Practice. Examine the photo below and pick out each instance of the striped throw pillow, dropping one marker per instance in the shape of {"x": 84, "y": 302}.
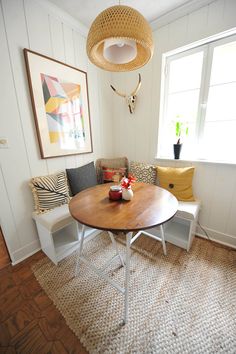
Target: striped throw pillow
{"x": 49, "y": 191}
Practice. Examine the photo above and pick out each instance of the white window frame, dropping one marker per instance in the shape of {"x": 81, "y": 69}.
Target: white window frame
{"x": 208, "y": 50}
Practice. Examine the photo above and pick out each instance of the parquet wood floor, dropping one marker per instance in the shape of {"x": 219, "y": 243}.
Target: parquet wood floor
{"x": 29, "y": 322}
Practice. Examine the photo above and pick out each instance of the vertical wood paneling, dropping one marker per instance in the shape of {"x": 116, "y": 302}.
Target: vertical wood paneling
{"x": 231, "y": 219}
{"x": 141, "y": 120}
{"x": 178, "y": 32}
{"x": 204, "y": 189}
{"x": 56, "y": 37}
{"x": 122, "y": 141}
{"x": 37, "y": 27}
{"x": 69, "y": 45}
{"x": 229, "y": 14}
{"x": 197, "y": 24}
{"x": 27, "y": 24}
{"x": 222, "y": 198}
{"x": 107, "y": 130}
{"x": 7, "y": 221}
{"x": 17, "y": 40}
{"x": 215, "y": 21}
{"x": 81, "y": 61}
{"x": 11, "y": 164}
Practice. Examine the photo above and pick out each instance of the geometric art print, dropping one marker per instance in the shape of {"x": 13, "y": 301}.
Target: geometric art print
{"x": 60, "y": 101}
{"x": 64, "y": 111}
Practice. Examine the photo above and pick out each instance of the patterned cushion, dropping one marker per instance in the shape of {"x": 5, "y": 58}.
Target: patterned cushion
{"x": 117, "y": 162}
{"x": 143, "y": 172}
{"x": 49, "y": 192}
{"x": 113, "y": 174}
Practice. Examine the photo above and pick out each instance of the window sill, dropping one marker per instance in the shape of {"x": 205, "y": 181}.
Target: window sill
{"x": 196, "y": 160}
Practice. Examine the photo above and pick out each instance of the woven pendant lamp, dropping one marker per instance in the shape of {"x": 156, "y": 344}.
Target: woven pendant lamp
{"x": 120, "y": 39}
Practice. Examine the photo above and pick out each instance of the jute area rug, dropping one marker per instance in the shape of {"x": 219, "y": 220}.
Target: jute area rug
{"x": 181, "y": 303}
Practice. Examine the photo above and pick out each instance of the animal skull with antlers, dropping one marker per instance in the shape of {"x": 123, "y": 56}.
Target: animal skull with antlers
{"x": 130, "y": 99}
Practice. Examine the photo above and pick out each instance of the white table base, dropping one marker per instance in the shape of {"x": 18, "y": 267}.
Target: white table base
{"x": 100, "y": 272}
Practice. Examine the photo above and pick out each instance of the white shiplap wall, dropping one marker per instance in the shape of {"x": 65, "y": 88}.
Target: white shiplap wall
{"x": 34, "y": 25}
{"x": 136, "y": 135}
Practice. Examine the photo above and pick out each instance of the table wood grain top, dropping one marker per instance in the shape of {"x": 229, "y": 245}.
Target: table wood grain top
{"x": 149, "y": 207}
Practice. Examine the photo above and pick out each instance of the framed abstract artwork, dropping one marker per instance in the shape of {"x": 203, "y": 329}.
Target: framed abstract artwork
{"x": 59, "y": 95}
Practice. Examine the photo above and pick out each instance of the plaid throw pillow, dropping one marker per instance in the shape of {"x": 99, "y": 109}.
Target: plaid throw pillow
{"x": 143, "y": 172}
{"x": 49, "y": 192}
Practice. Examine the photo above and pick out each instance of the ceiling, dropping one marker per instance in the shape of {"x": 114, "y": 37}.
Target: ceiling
{"x": 85, "y": 11}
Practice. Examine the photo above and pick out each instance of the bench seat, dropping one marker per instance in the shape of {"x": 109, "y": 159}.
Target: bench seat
{"x": 54, "y": 219}
{"x": 188, "y": 210}
{"x": 59, "y": 233}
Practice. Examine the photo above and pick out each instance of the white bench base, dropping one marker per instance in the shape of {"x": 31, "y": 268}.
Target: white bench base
{"x": 180, "y": 230}
{"x": 59, "y": 233}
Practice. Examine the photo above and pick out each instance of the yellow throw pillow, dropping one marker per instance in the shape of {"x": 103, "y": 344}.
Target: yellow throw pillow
{"x": 178, "y": 181}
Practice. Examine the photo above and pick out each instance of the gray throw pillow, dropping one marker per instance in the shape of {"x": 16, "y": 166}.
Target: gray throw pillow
{"x": 81, "y": 178}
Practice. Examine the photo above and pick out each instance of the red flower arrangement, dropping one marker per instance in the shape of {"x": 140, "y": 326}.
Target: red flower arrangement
{"x": 126, "y": 182}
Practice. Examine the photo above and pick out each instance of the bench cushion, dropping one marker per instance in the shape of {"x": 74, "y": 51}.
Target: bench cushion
{"x": 54, "y": 219}
{"x": 188, "y": 210}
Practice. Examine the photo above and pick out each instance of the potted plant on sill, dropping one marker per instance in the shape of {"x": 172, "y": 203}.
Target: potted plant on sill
{"x": 180, "y": 129}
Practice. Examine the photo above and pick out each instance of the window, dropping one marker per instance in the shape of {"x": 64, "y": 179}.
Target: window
{"x": 200, "y": 93}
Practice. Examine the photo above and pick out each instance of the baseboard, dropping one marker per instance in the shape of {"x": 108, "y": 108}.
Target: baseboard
{"x": 24, "y": 252}
{"x": 223, "y": 239}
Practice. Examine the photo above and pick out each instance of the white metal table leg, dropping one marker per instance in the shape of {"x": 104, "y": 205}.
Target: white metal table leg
{"x": 80, "y": 248}
{"x": 115, "y": 246}
{"x": 127, "y": 274}
{"x": 163, "y": 240}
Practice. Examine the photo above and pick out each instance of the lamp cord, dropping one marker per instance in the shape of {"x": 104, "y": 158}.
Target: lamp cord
{"x": 206, "y": 234}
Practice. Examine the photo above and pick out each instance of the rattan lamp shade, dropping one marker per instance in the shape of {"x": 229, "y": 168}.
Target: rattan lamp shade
{"x": 120, "y": 22}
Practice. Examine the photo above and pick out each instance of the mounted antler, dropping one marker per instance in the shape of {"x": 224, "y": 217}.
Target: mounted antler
{"x": 130, "y": 99}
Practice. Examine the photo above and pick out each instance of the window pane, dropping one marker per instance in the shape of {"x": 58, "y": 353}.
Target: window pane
{"x": 183, "y": 106}
{"x": 224, "y": 64}
{"x": 221, "y": 102}
{"x": 185, "y": 73}
{"x": 219, "y": 141}
{"x": 207, "y": 108}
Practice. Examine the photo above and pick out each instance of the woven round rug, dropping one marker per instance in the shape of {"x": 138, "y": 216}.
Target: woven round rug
{"x": 179, "y": 303}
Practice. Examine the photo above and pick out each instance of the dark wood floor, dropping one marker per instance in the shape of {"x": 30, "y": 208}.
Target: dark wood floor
{"x": 29, "y": 322}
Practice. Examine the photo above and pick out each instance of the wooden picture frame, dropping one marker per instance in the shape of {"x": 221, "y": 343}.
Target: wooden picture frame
{"x": 59, "y": 95}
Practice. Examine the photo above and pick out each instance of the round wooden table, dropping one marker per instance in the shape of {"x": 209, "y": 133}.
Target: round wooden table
{"x": 151, "y": 206}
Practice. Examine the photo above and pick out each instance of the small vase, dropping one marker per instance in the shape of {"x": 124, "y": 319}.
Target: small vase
{"x": 127, "y": 194}
{"x": 177, "y": 149}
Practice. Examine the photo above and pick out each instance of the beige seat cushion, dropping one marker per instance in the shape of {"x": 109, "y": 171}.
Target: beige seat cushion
{"x": 188, "y": 210}
{"x": 54, "y": 219}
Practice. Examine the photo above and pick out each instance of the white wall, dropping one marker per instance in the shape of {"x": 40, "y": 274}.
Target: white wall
{"x": 136, "y": 135}
{"x": 34, "y": 25}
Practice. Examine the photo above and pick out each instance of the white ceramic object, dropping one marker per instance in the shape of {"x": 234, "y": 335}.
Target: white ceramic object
{"x": 127, "y": 194}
